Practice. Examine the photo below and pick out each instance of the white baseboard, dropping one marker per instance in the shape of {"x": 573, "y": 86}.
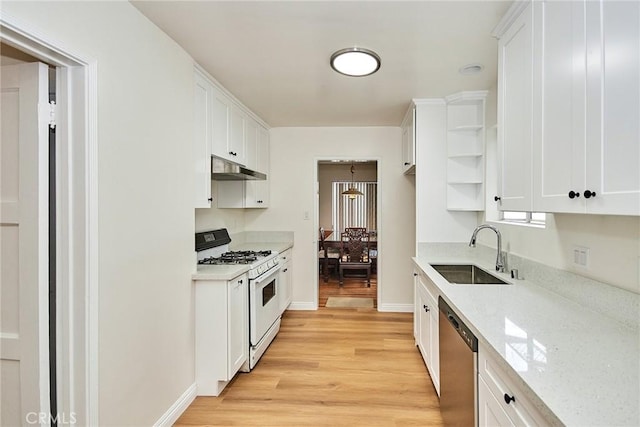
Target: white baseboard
{"x": 178, "y": 407}
{"x": 303, "y": 306}
{"x": 396, "y": 308}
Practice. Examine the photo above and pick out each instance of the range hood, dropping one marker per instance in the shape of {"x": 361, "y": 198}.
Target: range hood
{"x": 225, "y": 170}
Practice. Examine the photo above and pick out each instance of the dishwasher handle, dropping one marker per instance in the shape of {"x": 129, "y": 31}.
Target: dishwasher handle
{"x": 453, "y": 321}
{"x": 465, "y": 333}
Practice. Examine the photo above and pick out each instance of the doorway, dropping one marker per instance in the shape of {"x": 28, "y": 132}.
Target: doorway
{"x": 74, "y": 267}
{"x": 347, "y": 197}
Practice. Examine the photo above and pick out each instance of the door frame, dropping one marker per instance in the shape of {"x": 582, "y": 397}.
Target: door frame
{"x": 316, "y": 221}
{"x": 77, "y": 219}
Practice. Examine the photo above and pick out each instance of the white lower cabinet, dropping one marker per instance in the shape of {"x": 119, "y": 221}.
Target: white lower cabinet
{"x": 222, "y": 332}
{"x": 500, "y": 401}
{"x": 426, "y": 326}
{"x": 490, "y": 412}
{"x": 285, "y": 283}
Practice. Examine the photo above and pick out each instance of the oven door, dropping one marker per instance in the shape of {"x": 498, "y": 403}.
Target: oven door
{"x": 264, "y": 307}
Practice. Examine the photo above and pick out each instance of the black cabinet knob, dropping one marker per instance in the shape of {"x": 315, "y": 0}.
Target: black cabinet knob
{"x": 508, "y": 399}
{"x": 588, "y": 194}
{"x": 426, "y": 308}
{"x": 415, "y": 274}
{"x": 232, "y": 153}
{"x": 406, "y": 163}
{"x": 210, "y": 199}
{"x": 573, "y": 194}
{"x": 497, "y": 198}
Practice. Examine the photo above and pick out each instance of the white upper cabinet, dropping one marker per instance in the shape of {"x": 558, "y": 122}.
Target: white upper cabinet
{"x": 559, "y": 106}
{"x": 203, "y": 99}
{"x": 221, "y": 112}
{"x": 249, "y": 194}
{"x": 228, "y": 129}
{"x": 515, "y": 59}
{"x": 257, "y": 192}
{"x": 613, "y": 113}
{"x": 251, "y": 144}
{"x": 585, "y": 105}
{"x": 236, "y": 143}
{"x": 409, "y": 141}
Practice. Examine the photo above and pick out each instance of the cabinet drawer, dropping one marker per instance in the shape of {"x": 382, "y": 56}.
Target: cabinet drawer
{"x": 285, "y": 256}
{"x": 519, "y": 410}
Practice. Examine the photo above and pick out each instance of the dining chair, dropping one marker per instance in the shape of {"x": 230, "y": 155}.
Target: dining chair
{"x": 328, "y": 256}
{"x": 354, "y": 253}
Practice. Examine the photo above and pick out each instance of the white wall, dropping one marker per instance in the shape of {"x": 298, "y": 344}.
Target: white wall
{"x": 146, "y": 219}
{"x": 294, "y": 156}
{"x": 614, "y": 241}
{"x": 330, "y": 173}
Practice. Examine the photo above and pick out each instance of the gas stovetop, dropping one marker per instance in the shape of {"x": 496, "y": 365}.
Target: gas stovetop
{"x": 235, "y": 257}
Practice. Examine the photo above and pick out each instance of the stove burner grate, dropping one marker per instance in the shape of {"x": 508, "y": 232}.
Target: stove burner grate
{"x": 235, "y": 257}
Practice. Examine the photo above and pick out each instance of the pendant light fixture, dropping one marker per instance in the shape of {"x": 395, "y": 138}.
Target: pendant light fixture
{"x": 352, "y": 192}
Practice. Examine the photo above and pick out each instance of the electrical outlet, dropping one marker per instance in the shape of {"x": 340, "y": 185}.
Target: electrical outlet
{"x": 581, "y": 256}
{"x": 306, "y": 215}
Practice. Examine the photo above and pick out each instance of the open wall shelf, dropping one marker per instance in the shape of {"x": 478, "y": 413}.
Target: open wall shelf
{"x": 465, "y": 151}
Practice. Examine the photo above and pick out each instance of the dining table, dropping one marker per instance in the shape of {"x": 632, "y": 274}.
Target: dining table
{"x": 334, "y": 240}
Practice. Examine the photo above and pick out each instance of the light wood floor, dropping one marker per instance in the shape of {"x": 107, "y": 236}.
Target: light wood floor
{"x": 352, "y": 287}
{"x": 347, "y": 367}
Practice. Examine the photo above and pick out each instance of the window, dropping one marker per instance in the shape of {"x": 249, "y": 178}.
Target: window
{"x": 536, "y": 218}
{"x": 360, "y": 211}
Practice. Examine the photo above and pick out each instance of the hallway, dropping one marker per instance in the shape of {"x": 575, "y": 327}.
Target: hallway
{"x": 349, "y": 367}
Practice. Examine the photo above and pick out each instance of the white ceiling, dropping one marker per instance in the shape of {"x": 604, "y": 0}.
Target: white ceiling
{"x": 274, "y": 55}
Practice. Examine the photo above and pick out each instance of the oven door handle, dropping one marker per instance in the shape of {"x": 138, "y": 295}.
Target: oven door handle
{"x": 266, "y": 275}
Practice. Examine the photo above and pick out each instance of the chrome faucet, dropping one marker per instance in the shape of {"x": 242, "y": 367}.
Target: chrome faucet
{"x": 499, "y": 259}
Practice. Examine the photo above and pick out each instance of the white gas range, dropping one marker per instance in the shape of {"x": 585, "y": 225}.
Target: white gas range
{"x": 212, "y": 249}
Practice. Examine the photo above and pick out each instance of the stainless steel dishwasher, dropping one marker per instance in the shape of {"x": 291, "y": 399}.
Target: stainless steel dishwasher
{"x": 458, "y": 369}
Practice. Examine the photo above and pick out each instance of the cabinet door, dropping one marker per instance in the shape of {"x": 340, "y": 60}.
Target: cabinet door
{"x": 428, "y": 333}
{"x": 203, "y": 118}
{"x": 559, "y": 106}
{"x": 490, "y": 412}
{"x": 257, "y": 192}
{"x": 236, "y": 145}
{"x": 515, "y": 59}
{"x": 238, "y": 317}
{"x": 251, "y": 144}
{"x": 613, "y": 110}
{"x": 424, "y": 326}
{"x": 220, "y": 131}
{"x": 263, "y": 151}
{"x": 408, "y": 142}
{"x": 284, "y": 282}
{"x": 434, "y": 343}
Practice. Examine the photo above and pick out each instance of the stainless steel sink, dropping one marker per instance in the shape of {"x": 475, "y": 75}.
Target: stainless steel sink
{"x": 467, "y": 274}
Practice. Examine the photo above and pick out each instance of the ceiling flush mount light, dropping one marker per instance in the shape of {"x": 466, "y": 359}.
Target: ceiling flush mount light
{"x": 355, "y": 62}
{"x": 352, "y": 192}
{"x": 471, "y": 69}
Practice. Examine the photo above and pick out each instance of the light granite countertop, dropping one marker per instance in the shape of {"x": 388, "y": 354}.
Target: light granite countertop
{"x": 576, "y": 358}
